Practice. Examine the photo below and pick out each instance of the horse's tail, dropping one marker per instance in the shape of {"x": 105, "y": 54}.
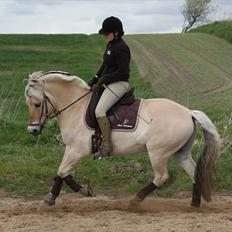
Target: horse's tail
{"x": 205, "y": 164}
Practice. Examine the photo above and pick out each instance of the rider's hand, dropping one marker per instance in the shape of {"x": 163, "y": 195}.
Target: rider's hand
{"x": 101, "y": 82}
{"x": 93, "y": 81}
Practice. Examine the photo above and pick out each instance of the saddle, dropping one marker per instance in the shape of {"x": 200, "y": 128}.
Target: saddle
{"x": 122, "y": 115}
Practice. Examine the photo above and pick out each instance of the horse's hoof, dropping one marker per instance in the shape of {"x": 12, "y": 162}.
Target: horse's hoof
{"x": 87, "y": 191}
{"x": 196, "y": 204}
{"x": 137, "y": 199}
{"x": 135, "y": 204}
{"x": 49, "y": 200}
{"x": 46, "y": 205}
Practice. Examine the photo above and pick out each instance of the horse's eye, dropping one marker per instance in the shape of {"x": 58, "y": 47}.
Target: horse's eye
{"x": 37, "y": 105}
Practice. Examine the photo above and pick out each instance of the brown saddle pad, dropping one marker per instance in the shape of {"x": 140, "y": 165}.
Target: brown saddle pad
{"x": 123, "y": 115}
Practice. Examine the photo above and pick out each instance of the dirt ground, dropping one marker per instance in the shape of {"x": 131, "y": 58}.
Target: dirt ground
{"x": 73, "y": 213}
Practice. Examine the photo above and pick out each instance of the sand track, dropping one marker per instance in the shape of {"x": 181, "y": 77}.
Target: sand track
{"x": 73, "y": 213}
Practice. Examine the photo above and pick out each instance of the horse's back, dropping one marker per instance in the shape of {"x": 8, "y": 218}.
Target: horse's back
{"x": 165, "y": 106}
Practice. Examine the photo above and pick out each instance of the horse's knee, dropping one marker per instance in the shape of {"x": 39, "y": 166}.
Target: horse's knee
{"x": 160, "y": 179}
{"x": 63, "y": 170}
{"x": 62, "y": 173}
{"x": 67, "y": 164}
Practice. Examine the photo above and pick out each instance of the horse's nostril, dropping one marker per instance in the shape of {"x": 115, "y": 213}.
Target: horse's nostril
{"x": 34, "y": 130}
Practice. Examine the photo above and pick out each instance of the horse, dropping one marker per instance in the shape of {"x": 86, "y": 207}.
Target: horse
{"x": 171, "y": 131}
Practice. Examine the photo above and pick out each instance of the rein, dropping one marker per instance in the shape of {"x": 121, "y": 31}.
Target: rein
{"x": 66, "y": 107}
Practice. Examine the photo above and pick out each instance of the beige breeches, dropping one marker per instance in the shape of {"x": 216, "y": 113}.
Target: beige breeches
{"x": 108, "y": 99}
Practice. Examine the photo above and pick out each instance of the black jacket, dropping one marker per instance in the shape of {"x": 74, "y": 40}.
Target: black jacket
{"x": 116, "y": 62}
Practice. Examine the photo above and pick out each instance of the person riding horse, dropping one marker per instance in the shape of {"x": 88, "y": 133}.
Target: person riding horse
{"x": 113, "y": 75}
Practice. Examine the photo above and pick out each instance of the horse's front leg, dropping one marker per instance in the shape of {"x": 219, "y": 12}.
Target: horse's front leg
{"x": 71, "y": 157}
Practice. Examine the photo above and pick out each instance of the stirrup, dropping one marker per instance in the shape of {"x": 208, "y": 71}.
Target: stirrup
{"x": 97, "y": 155}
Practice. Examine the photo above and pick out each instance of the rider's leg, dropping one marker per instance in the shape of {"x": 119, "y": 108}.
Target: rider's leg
{"x": 106, "y": 146}
{"x": 112, "y": 93}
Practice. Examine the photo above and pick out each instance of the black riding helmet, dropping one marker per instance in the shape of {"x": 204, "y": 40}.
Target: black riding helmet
{"x": 110, "y": 25}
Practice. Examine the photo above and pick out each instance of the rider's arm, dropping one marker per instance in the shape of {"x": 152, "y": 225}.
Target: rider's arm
{"x": 99, "y": 72}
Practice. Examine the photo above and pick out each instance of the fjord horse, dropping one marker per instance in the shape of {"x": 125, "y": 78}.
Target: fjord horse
{"x": 171, "y": 133}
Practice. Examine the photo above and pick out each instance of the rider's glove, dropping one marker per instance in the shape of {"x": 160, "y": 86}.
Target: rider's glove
{"x": 101, "y": 82}
{"x": 93, "y": 81}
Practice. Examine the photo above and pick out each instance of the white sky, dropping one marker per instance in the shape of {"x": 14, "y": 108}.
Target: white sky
{"x": 86, "y": 16}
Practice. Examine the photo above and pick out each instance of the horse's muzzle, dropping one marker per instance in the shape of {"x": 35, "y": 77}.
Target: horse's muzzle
{"x": 35, "y": 129}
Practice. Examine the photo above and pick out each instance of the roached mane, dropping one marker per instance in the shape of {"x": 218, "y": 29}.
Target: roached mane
{"x": 51, "y": 75}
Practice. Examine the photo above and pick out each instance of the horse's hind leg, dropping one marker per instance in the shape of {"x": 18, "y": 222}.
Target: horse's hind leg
{"x": 159, "y": 164}
{"x": 185, "y": 160}
{"x": 189, "y": 166}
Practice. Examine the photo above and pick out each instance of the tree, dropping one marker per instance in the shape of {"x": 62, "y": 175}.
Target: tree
{"x": 194, "y": 12}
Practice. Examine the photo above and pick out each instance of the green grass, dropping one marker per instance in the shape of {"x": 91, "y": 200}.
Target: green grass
{"x": 28, "y": 164}
{"x": 204, "y": 62}
{"x": 222, "y": 29}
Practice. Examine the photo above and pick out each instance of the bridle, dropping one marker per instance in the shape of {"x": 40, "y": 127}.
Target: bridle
{"x": 44, "y": 111}
{"x": 45, "y": 102}
{"x": 44, "y": 108}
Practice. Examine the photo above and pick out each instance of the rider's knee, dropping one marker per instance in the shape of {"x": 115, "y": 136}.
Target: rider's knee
{"x": 99, "y": 112}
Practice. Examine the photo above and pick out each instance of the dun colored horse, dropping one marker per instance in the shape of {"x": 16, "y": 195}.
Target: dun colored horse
{"x": 171, "y": 132}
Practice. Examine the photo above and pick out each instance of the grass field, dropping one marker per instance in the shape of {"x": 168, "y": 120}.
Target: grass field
{"x": 193, "y": 69}
{"x": 221, "y": 29}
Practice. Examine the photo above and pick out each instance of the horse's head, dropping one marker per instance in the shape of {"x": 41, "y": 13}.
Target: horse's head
{"x": 40, "y": 103}
{"x": 47, "y": 92}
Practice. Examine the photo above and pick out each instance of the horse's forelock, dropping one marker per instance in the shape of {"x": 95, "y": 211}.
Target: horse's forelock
{"x": 33, "y": 91}
{"x": 33, "y": 82}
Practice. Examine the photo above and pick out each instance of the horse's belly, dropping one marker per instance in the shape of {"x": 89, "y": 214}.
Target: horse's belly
{"x": 129, "y": 148}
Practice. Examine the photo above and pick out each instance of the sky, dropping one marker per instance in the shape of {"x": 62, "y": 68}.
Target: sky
{"x": 86, "y": 16}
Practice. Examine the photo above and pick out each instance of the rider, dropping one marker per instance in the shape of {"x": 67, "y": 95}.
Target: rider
{"x": 113, "y": 75}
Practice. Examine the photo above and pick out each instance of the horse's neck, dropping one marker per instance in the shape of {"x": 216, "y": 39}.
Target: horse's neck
{"x": 64, "y": 95}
